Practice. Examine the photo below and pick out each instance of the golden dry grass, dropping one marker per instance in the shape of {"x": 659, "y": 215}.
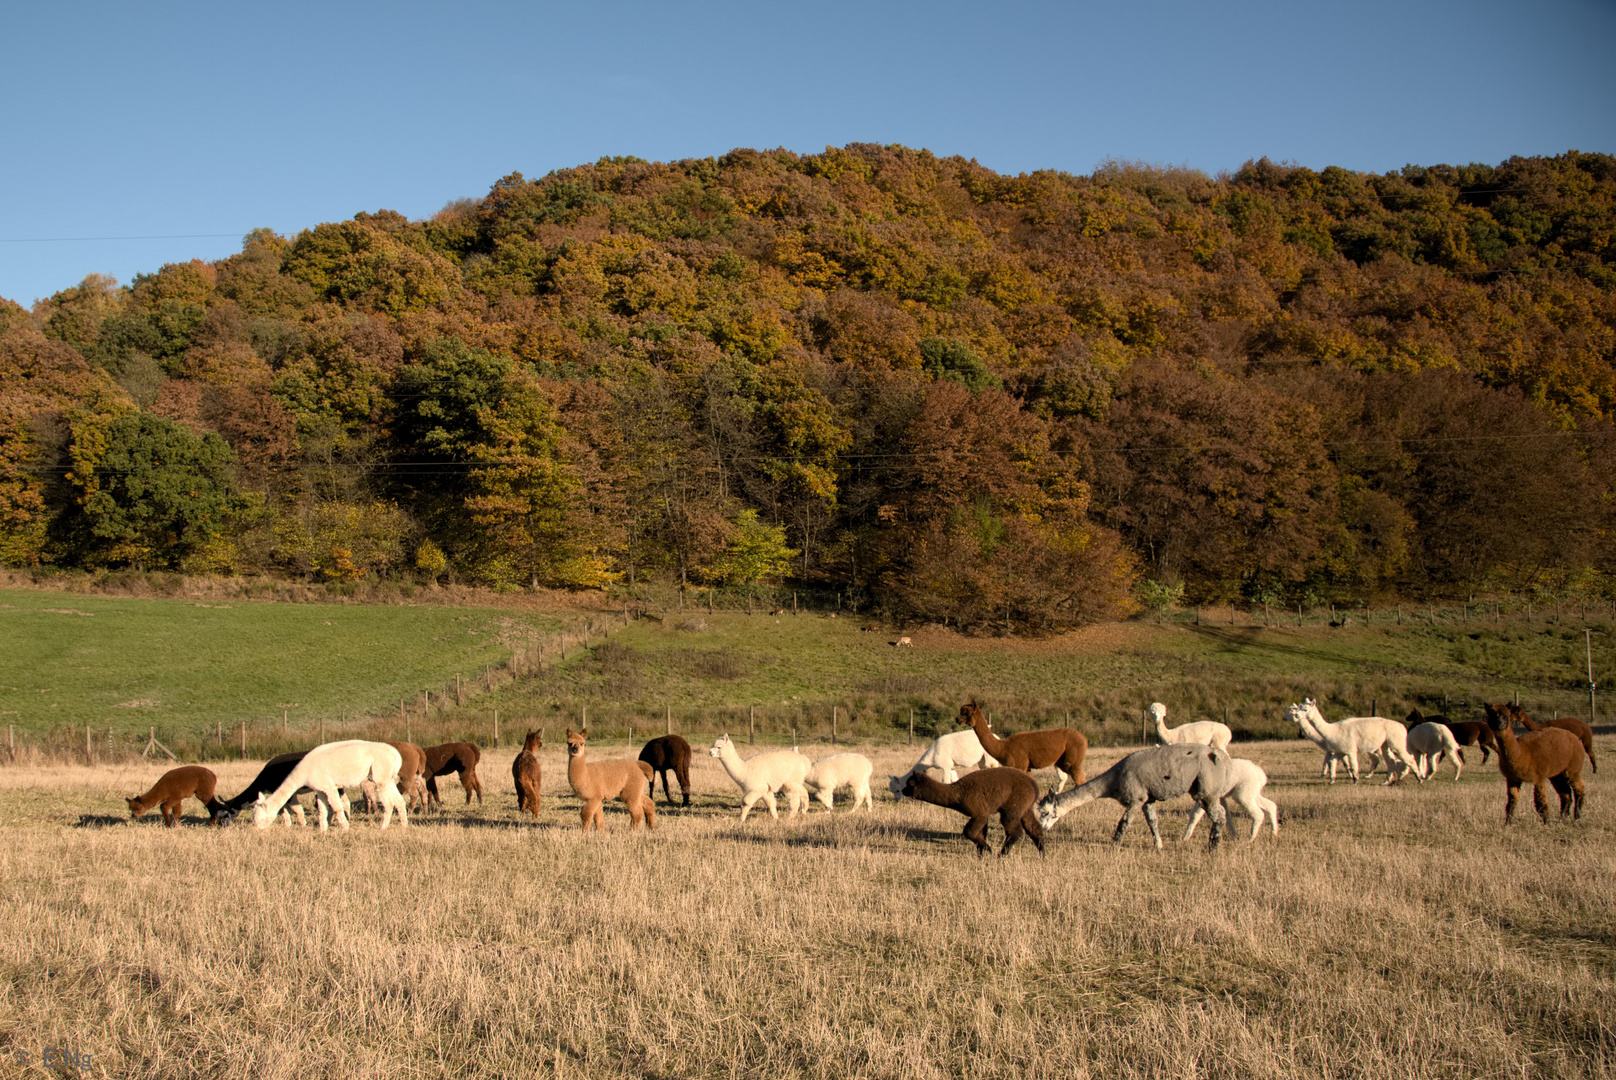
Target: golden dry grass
{"x": 1394, "y": 932}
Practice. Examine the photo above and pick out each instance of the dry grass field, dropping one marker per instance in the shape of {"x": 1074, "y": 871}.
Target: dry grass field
{"x": 1390, "y": 932}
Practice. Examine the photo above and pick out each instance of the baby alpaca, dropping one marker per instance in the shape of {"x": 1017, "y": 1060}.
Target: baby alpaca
{"x": 829, "y": 773}
{"x": 1247, "y": 793}
{"x": 173, "y": 788}
{"x": 1010, "y": 793}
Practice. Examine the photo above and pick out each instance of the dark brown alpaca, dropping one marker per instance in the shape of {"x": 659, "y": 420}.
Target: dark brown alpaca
{"x": 454, "y": 757}
{"x": 1465, "y": 732}
{"x": 1063, "y": 747}
{"x": 411, "y": 775}
{"x": 1010, "y": 793}
{"x": 669, "y": 752}
{"x": 1579, "y": 728}
{"x": 1550, "y": 756}
{"x": 175, "y": 786}
{"x": 525, "y": 771}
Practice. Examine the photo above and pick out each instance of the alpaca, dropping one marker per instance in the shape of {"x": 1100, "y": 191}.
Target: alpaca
{"x": 411, "y": 776}
{"x": 1579, "y": 728}
{"x": 669, "y": 752}
{"x": 329, "y": 768}
{"x": 761, "y": 776}
{"x": 173, "y": 788}
{"x": 1548, "y": 756}
{"x": 904, "y": 642}
{"x": 454, "y": 757}
{"x": 829, "y": 773}
{"x": 1465, "y": 733}
{"x": 525, "y": 771}
{"x": 1248, "y": 780}
{"x": 267, "y": 780}
{"x": 1206, "y": 732}
{"x": 1374, "y": 735}
{"x": 1010, "y": 793}
{"x": 596, "y": 782}
{"x": 1429, "y": 743}
{"x": 1149, "y": 776}
{"x": 948, "y": 754}
{"x": 1064, "y": 748}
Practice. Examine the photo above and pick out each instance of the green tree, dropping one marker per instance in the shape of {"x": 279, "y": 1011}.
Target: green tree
{"x": 757, "y": 550}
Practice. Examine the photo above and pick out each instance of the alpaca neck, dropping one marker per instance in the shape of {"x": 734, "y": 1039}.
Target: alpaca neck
{"x": 1098, "y": 788}
{"x": 1510, "y": 753}
{"x": 730, "y": 758}
{"x": 577, "y": 770}
{"x": 1162, "y": 731}
{"x": 984, "y": 734}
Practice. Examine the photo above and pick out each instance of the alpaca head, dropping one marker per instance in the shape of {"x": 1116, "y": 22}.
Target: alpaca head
{"x": 895, "y": 784}
{"x": 136, "y": 807}
{"x": 575, "y": 741}
{"x": 1415, "y": 718}
{"x": 1047, "y": 816}
{"x": 1295, "y": 713}
{"x": 261, "y": 817}
{"x": 1497, "y": 717}
{"x": 911, "y": 785}
{"x": 718, "y": 746}
{"x": 533, "y": 742}
{"x": 969, "y": 713}
{"x": 223, "y": 815}
{"x": 1158, "y": 711}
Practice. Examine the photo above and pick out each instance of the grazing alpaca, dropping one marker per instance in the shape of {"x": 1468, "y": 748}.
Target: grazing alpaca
{"x": 1465, "y": 733}
{"x": 1248, "y": 781}
{"x": 173, "y": 788}
{"x": 1579, "y": 728}
{"x": 1428, "y": 744}
{"x": 1010, "y": 793}
{"x": 596, "y": 782}
{"x": 411, "y": 776}
{"x": 948, "y": 754}
{"x": 761, "y": 776}
{"x": 1373, "y": 735}
{"x": 669, "y": 752}
{"x": 1149, "y": 776}
{"x": 268, "y": 779}
{"x": 1064, "y": 748}
{"x": 525, "y": 771}
{"x": 1549, "y": 756}
{"x": 829, "y": 773}
{"x": 454, "y": 757}
{"x": 326, "y": 770}
{"x": 1206, "y": 732}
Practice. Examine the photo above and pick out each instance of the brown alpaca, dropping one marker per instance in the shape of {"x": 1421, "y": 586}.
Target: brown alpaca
{"x": 1010, "y": 793}
{"x": 525, "y": 771}
{"x": 175, "y": 786}
{"x": 411, "y": 775}
{"x": 1465, "y": 733}
{"x": 1579, "y": 728}
{"x": 669, "y": 752}
{"x": 619, "y": 779}
{"x": 454, "y": 757}
{"x": 1063, "y": 747}
{"x": 1550, "y": 756}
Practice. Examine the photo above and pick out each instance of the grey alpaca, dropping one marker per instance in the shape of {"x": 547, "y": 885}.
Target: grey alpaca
{"x": 1149, "y": 776}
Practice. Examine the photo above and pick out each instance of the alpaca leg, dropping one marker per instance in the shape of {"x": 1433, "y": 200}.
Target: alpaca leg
{"x": 1540, "y": 800}
{"x": 1562, "y": 787}
{"x": 976, "y": 831}
{"x": 1219, "y": 820}
{"x": 747, "y": 803}
{"x": 1154, "y": 823}
{"x": 1509, "y": 802}
{"x": 684, "y": 784}
{"x": 322, "y": 811}
{"x": 1012, "y": 830}
{"x": 1578, "y": 790}
{"x": 1195, "y": 819}
{"x": 1029, "y": 822}
{"x": 1122, "y": 826}
{"x": 1272, "y": 808}
{"x": 649, "y": 805}
{"x": 1251, "y": 803}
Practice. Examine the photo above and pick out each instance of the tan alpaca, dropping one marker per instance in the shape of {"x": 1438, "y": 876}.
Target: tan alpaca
{"x": 603, "y": 780}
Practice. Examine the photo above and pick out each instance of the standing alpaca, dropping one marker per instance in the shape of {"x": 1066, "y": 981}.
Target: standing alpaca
{"x": 1010, "y": 793}
{"x": 454, "y": 757}
{"x": 1579, "y": 728}
{"x": 1249, "y": 780}
{"x": 1549, "y": 756}
{"x": 268, "y": 779}
{"x": 1147, "y": 777}
{"x": 326, "y": 770}
{"x": 1465, "y": 733}
{"x": 602, "y": 780}
{"x": 411, "y": 775}
{"x": 761, "y": 776}
{"x": 669, "y": 752}
{"x": 829, "y": 773}
{"x": 1064, "y": 748}
{"x": 1206, "y": 732}
{"x": 526, "y": 772}
{"x": 173, "y": 788}
{"x": 1373, "y": 735}
{"x": 948, "y": 754}
{"x": 1429, "y": 743}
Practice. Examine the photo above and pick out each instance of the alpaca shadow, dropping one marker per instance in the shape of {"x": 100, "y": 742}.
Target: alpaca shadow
{"x": 104, "y": 821}
{"x": 496, "y": 824}
{"x": 1237, "y": 638}
{"x": 795, "y": 840}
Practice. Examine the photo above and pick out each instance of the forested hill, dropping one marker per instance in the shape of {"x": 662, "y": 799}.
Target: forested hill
{"x": 997, "y": 401}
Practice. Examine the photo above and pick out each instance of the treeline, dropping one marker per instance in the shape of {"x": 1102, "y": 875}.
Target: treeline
{"x": 1000, "y": 402}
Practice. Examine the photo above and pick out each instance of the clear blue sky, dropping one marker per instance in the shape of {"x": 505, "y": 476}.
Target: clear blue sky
{"x": 156, "y": 119}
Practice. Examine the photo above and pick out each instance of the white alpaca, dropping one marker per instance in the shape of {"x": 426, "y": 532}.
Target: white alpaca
{"x": 1373, "y": 735}
{"x": 328, "y": 768}
{"x": 1206, "y": 732}
{"x": 1428, "y": 743}
{"x": 1247, "y": 793}
{"x": 830, "y": 773}
{"x": 761, "y": 776}
{"x": 947, "y": 754}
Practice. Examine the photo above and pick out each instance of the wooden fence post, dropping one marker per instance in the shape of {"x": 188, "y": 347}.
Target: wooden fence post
{"x": 88, "y": 758}
{"x": 833, "y": 711}
{"x": 669, "y": 730}
{"x": 496, "y": 729}
{"x": 244, "y": 740}
{"x": 11, "y": 741}
{"x": 751, "y": 723}
{"x": 911, "y": 727}
{"x": 283, "y": 721}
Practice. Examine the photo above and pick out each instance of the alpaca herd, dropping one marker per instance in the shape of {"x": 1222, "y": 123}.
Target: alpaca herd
{"x": 1193, "y": 760}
